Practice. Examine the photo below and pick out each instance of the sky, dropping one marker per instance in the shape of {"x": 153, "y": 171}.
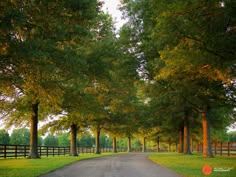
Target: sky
{"x": 111, "y": 7}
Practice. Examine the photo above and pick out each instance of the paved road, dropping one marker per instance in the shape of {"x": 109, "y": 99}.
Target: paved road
{"x": 130, "y": 165}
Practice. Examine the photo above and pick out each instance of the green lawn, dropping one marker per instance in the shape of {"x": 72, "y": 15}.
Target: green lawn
{"x": 35, "y": 167}
{"x": 191, "y": 165}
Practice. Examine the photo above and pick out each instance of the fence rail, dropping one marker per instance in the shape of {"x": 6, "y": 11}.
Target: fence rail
{"x": 15, "y": 151}
{"x": 226, "y": 148}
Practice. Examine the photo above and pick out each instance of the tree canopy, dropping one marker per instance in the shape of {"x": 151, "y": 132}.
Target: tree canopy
{"x": 170, "y": 70}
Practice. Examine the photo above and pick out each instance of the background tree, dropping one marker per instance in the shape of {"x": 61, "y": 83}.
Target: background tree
{"x": 20, "y": 136}
{"x": 232, "y": 136}
{"x": 50, "y": 140}
{"x": 4, "y": 137}
{"x": 64, "y": 139}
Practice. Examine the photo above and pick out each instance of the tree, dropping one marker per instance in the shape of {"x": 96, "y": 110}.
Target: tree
{"x": 4, "y": 137}
{"x": 20, "y": 136}
{"x": 232, "y": 136}
{"x": 42, "y": 54}
{"x": 64, "y": 139}
{"x": 86, "y": 140}
{"x": 50, "y": 140}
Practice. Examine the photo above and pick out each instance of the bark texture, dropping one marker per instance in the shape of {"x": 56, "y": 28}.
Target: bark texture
{"x": 97, "y": 140}
{"x": 187, "y": 148}
{"x": 73, "y": 140}
{"x": 144, "y": 144}
{"x": 114, "y": 149}
{"x": 181, "y": 145}
{"x": 207, "y": 149}
{"x": 33, "y": 154}
{"x": 158, "y": 143}
{"x": 129, "y": 144}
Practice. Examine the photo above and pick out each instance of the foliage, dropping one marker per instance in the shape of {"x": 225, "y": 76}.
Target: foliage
{"x": 187, "y": 66}
{"x": 232, "y": 136}
{"x": 86, "y": 140}
{"x": 20, "y": 136}
{"x": 64, "y": 139}
{"x": 4, "y": 137}
{"x": 219, "y": 136}
{"x": 50, "y": 140}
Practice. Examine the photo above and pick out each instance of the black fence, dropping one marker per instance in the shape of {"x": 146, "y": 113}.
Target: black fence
{"x": 222, "y": 148}
{"x": 16, "y": 151}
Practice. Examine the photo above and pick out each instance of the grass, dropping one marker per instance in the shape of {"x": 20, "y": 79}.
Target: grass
{"x": 191, "y": 165}
{"x": 34, "y": 167}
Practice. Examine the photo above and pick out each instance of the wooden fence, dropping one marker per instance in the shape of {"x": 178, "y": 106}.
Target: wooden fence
{"x": 226, "y": 148}
{"x": 15, "y": 151}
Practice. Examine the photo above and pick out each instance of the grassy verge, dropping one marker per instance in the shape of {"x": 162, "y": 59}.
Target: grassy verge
{"x": 35, "y": 167}
{"x": 191, "y": 165}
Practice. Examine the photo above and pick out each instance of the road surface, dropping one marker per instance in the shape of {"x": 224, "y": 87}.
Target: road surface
{"x": 124, "y": 165}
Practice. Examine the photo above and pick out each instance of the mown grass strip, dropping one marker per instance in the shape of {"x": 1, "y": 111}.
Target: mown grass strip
{"x": 35, "y": 167}
{"x": 191, "y": 165}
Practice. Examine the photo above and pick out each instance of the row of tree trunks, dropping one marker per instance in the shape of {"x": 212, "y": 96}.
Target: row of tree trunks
{"x": 184, "y": 136}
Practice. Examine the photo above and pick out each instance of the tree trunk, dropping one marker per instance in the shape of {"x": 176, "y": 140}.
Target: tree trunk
{"x": 129, "y": 144}
{"x": 144, "y": 144}
{"x": 187, "y": 149}
{"x": 33, "y": 154}
{"x": 97, "y": 140}
{"x": 158, "y": 143}
{"x": 181, "y": 141}
{"x": 169, "y": 147}
{"x": 191, "y": 144}
{"x": 114, "y": 145}
{"x": 207, "y": 149}
{"x": 73, "y": 140}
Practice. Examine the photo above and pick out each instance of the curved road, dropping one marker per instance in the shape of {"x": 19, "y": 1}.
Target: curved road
{"x": 130, "y": 165}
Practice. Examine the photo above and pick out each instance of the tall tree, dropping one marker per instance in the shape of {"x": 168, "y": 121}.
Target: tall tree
{"x": 42, "y": 51}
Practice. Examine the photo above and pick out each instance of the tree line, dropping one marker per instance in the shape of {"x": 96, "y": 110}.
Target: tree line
{"x": 21, "y": 136}
{"x": 167, "y": 75}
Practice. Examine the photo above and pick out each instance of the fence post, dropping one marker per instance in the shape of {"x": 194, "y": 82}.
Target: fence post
{"x": 215, "y": 148}
{"x": 24, "y": 150}
{"x": 40, "y": 150}
{"x": 47, "y": 151}
{"x": 5, "y": 151}
{"x": 228, "y": 149}
{"x": 15, "y": 151}
{"x": 221, "y": 148}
